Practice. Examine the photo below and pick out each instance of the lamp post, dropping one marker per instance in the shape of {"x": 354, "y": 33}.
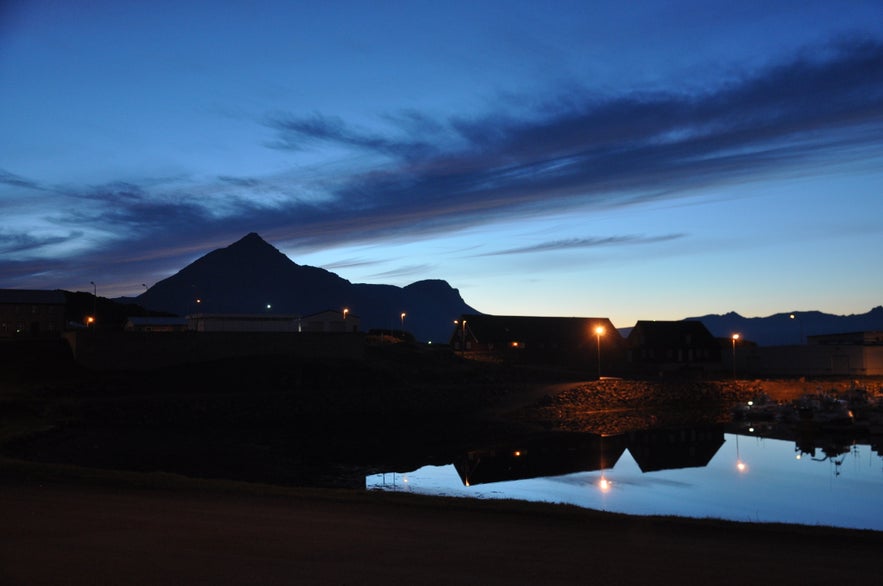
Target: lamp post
{"x": 94, "y": 300}
{"x": 800, "y": 323}
{"x": 403, "y": 321}
{"x": 598, "y": 332}
{"x": 462, "y": 335}
{"x": 734, "y": 338}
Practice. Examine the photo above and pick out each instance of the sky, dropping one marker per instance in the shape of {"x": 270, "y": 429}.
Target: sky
{"x": 651, "y": 160}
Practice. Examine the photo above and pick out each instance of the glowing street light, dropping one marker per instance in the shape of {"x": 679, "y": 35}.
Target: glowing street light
{"x": 599, "y": 331}
{"x": 403, "y": 320}
{"x": 345, "y": 311}
{"x": 734, "y": 338}
{"x": 462, "y": 336}
{"x": 94, "y": 299}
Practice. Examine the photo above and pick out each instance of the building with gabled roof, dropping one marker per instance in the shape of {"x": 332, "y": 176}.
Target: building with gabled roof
{"x": 563, "y": 341}
{"x": 31, "y": 313}
{"x": 672, "y": 347}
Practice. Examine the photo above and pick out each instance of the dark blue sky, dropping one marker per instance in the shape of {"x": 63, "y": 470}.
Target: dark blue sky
{"x": 564, "y": 158}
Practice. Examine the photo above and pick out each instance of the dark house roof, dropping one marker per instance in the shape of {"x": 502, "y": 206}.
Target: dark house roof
{"x": 536, "y": 332}
{"x": 671, "y": 334}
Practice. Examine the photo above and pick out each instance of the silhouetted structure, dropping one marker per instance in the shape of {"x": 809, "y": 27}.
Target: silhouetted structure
{"x": 552, "y": 455}
{"x": 330, "y": 321}
{"x": 667, "y": 348}
{"x": 156, "y": 324}
{"x": 31, "y": 313}
{"x": 564, "y": 341}
{"x": 667, "y": 449}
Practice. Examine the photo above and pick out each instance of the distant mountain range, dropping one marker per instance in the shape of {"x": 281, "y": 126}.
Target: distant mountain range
{"x": 781, "y": 329}
{"x": 252, "y": 276}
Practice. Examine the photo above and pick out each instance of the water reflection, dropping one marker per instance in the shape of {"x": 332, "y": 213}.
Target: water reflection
{"x": 742, "y": 472}
{"x": 552, "y": 455}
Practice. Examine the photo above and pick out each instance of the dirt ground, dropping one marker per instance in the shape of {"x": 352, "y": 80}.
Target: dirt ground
{"x": 56, "y": 534}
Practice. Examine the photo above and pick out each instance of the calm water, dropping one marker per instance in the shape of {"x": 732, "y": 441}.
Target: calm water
{"x": 709, "y": 474}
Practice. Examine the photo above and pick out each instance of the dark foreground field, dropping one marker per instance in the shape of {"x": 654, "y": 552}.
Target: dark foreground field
{"x": 87, "y": 534}
{"x": 177, "y": 477}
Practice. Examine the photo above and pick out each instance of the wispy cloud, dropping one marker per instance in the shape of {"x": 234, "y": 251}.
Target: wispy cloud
{"x": 14, "y": 180}
{"x": 573, "y": 243}
{"x": 404, "y": 271}
{"x": 297, "y": 133}
{"x": 442, "y": 174}
{"x": 17, "y": 242}
{"x": 612, "y": 151}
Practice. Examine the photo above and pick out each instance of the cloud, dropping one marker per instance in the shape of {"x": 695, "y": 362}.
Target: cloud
{"x": 571, "y": 243}
{"x": 441, "y": 174}
{"x": 405, "y": 271}
{"x": 12, "y": 243}
{"x": 14, "y": 180}
{"x": 348, "y": 263}
{"x": 296, "y": 133}
{"x": 240, "y": 181}
{"x": 607, "y": 151}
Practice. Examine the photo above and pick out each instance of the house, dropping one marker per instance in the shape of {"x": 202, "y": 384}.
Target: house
{"x": 583, "y": 342}
{"x": 871, "y": 338}
{"x": 156, "y": 324}
{"x": 845, "y": 354}
{"x": 31, "y": 313}
{"x": 322, "y": 322}
{"x": 330, "y": 321}
{"x": 672, "y": 347}
{"x": 241, "y": 322}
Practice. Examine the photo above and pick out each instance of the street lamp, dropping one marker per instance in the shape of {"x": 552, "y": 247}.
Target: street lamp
{"x": 800, "y": 323}
{"x": 403, "y": 321}
{"x": 94, "y": 299}
{"x": 735, "y": 337}
{"x": 599, "y": 331}
{"x": 462, "y": 336}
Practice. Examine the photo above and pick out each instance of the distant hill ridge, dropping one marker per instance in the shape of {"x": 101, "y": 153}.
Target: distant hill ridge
{"x": 251, "y": 274}
{"x": 780, "y": 329}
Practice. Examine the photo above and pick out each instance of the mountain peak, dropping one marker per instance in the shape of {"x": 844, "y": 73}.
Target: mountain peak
{"x": 252, "y": 239}
{"x": 251, "y": 276}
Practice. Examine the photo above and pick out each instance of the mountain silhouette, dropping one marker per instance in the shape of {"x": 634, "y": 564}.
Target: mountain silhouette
{"x": 781, "y": 329}
{"x": 252, "y": 276}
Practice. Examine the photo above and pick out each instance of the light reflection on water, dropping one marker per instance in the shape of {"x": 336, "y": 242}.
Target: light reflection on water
{"x": 774, "y": 486}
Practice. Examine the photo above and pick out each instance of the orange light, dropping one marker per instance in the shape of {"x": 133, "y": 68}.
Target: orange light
{"x": 736, "y": 337}
{"x": 599, "y": 330}
{"x": 90, "y": 320}
{"x": 515, "y": 344}
{"x": 604, "y": 484}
